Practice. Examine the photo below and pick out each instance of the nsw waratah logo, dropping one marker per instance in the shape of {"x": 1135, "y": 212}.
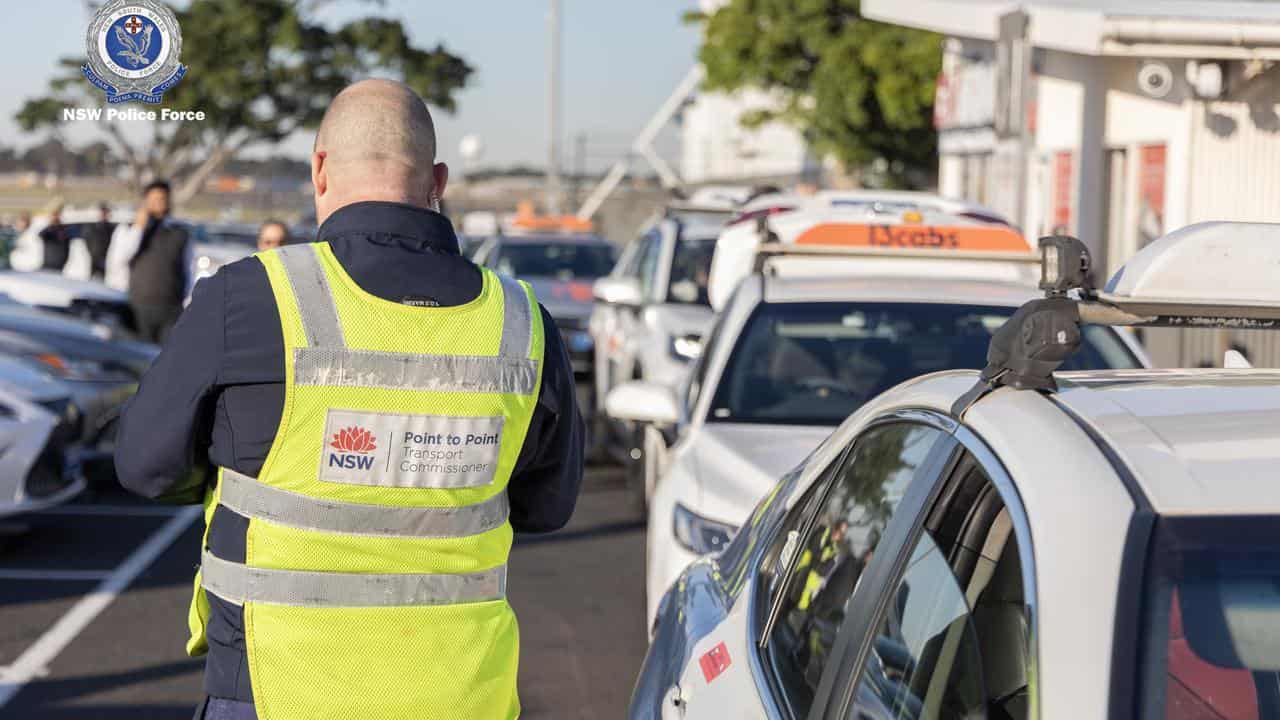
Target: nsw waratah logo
{"x": 353, "y": 445}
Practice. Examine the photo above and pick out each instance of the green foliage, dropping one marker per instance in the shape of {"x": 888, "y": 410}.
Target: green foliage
{"x": 858, "y": 89}
{"x": 260, "y": 70}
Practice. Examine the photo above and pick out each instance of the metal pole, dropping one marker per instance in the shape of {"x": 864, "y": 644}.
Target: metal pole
{"x": 553, "y": 112}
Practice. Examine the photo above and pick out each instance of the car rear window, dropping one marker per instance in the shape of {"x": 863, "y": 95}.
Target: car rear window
{"x": 1212, "y": 620}
{"x": 563, "y": 261}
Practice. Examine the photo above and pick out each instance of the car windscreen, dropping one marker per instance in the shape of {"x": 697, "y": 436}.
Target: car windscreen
{"x": 563, "y": 261}
{"x": 1212, "y": 619}
{"x": 815, "y": 363}
{"x": 690, "y": 270}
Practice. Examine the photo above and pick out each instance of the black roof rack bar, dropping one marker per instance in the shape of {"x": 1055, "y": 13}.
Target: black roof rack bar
{"x": 1043, "y": 333}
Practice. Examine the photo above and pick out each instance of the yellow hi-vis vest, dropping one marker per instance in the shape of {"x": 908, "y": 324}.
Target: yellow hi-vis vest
{"x": 374, "y": 582}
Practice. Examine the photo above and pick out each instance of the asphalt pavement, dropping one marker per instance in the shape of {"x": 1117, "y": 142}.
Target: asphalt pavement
{"x": 93, "y": 604}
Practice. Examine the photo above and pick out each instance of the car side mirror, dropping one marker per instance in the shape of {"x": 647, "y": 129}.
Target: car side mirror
{"x": 617, "y": 291}
{"x": 645, "y": 402}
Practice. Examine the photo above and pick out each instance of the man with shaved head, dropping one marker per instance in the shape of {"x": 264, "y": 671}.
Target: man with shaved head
{"x": 366, "y": 419}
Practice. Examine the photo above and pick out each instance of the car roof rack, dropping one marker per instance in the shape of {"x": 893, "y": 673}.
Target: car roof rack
{"x": 1207, "y": 275}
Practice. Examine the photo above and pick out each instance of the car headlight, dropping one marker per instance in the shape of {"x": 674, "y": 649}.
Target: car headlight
{"x": 686, "y": 347}
{"x": 700, "y": 535}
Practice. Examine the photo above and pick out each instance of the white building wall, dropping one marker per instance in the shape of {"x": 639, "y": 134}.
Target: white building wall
{"x": 715, "y": 146}
{"x": 1235, "y": 164}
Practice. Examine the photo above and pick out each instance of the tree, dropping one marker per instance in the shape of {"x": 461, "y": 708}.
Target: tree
{"x": 260, "y": 70}
{"x": 859, "y": 90}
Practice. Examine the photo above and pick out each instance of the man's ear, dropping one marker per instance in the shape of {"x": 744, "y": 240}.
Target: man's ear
{"x": 319, "y": 173}
{"x": 440, "y": 179}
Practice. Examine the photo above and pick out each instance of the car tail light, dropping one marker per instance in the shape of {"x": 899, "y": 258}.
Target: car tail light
{"x": 761, "y": 213}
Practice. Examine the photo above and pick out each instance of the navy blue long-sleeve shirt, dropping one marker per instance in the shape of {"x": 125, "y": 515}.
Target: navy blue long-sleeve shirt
{"x": 216, "y": 393}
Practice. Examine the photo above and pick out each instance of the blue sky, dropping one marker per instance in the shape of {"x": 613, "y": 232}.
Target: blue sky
{"x": 621, "y": 58}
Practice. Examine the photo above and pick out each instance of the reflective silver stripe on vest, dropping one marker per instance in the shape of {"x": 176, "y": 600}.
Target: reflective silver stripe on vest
{"x": 253, "y": 499}
{"x": 315, "y": 299}
{"x": 517, "y": 320}
{"x": 237, "y": 583}
{"x": 404, "y": 371}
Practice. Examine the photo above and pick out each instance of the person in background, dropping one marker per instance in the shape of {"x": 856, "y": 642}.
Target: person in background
{"x": 151, "y": 260}
{"x": 97, "y": 236}
{"x": 56, "y": 240}
{"x": 272, "y": 234}
{"x": 23, "y": 222}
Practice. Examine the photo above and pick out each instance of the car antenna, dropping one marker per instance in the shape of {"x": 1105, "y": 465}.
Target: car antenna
{"x": 1043, "y": 333}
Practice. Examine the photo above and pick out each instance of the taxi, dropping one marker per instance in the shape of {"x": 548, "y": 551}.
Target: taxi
{"x": 1018, "y": 542}
{"x": 825, "y": 321}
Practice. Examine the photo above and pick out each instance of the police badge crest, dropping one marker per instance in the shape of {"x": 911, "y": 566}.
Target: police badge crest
{"x": 133, "y": 48}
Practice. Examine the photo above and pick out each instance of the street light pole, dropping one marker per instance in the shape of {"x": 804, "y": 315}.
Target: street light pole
{"x": 553, "y": 112}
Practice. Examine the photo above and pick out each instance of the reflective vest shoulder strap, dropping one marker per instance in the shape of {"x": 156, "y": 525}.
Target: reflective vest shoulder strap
{"x": 238, "y": 583}
{"x": 517, "y": 319}
{"x": 250, "y": 498}
{"x": 314, "y": 296}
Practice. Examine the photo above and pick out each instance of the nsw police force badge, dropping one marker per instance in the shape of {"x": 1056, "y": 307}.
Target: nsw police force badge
{"x": 133, "y": 48}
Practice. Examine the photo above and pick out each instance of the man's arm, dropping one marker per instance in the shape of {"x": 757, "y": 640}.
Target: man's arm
{"x": 124, "y": 243}
{"x": 164, "y": 430}
{"x": 548, "y": 475}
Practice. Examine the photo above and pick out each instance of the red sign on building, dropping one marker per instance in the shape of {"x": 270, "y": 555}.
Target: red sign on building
{"x": 1063, "y": 173}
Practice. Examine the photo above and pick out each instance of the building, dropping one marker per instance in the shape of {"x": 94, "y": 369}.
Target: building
{"x": 1114, "y": 121}
{"x": 715, "y": 147}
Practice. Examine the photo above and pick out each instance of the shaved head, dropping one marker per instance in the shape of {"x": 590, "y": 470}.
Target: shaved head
{"x": 377, "y": 142}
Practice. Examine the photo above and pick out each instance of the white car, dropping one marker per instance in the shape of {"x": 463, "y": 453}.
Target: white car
{"x": 1020, "y": 543}
{"x": 801, "y": 344}
{"x": 34, "y": 468}
{"x": 652, "y": 310}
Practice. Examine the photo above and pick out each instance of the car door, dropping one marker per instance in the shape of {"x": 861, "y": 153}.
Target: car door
{"x": 821, "y": 556}
{"x": 943, "y": 627}
{"x": 631, "y": 333}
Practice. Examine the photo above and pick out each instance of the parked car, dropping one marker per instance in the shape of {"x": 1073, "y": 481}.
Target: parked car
{"x": 651, "y": 312}
{"x": 94, "y": 368}
{"x": 1019, "y": 542}
{"x": 793, "y": 354}
{"x": 83, "y": 299}
{"x": 37, "y": 424}
{"x": 561, "y": 268}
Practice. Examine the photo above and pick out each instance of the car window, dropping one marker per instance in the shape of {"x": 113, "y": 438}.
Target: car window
{"x": 814, "y": 363}
{"x": 648, "y": 265}
{"x": 559, "y": 260}
{"x": 924, "y": 661}
{"x": 1212, "y": 600}
{"x": 953, "y": 639}
{"x": 690, "y": 270}
{"x": 827, "y": 557}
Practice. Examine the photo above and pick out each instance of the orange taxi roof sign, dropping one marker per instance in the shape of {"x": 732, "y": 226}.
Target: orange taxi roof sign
{"x": 986, "y": 238}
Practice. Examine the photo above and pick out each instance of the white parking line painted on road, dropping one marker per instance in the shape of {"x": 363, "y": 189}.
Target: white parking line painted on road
{"x": 35, "y": 660}
{"x": 111, "y": 510}
{"x": 52, "y": 575}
